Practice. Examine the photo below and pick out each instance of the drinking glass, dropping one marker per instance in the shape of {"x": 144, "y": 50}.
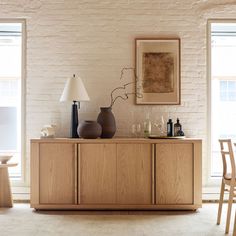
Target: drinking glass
{"x": 133, "y": 130}
{"x": 160, "y": 124}
{"x": 136, "y": 130}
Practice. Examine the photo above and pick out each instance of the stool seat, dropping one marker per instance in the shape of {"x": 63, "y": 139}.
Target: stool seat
{"x": 5, "y": 188}
{"x": 8, "y": 165}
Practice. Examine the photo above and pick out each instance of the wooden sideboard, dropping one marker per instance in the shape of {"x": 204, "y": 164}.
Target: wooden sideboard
{"x": 119, "y": 173}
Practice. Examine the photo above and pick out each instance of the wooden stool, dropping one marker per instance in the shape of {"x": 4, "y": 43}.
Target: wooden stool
{"x": 5, "y": 189}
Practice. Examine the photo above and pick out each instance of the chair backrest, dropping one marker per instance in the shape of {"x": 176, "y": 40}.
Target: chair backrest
{"x": 227, "y": 151}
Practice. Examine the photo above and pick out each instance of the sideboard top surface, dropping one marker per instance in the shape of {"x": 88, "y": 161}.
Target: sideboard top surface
{"x": 115, "y": 140}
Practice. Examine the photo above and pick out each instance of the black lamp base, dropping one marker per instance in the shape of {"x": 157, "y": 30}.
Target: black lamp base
{"x": 74, "y": 121}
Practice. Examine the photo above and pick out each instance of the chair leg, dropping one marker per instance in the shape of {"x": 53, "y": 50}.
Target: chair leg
{"x": 234, "y": 230}
{"x": 231, "y": 195}
{"x": 221, "y": 201}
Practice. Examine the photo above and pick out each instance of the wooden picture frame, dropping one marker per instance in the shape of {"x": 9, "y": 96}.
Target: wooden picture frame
{"x": 157, "y": 66}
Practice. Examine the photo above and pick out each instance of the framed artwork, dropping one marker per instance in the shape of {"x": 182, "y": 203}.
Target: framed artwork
{"x": 157, "y": 65}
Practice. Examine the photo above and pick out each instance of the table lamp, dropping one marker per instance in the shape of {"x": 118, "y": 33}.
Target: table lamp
{"x": 75, "y": 92}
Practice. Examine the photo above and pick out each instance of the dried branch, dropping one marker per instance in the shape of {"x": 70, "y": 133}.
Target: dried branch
{"x": 123, "y": 87}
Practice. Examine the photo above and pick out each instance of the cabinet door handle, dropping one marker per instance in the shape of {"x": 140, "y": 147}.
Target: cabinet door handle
{"x": 153, "y": 174}
{"x": 76, "y": 172}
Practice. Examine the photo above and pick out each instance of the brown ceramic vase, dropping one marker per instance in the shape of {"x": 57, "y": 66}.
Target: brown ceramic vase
{"x": 89, "y": 129}
{"x": 107, "y": 120}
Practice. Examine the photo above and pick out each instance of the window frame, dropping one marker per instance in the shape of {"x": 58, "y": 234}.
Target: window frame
{"x": 211, "y": 181}
{"x": 24, "y": 181}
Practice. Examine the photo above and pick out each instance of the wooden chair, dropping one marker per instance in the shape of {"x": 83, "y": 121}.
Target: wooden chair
{"x": 228, "y": 179}
{"x": 5, "y": 188}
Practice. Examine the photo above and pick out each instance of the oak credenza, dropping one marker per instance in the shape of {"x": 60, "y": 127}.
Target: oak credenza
{"x": 118, "y": 173}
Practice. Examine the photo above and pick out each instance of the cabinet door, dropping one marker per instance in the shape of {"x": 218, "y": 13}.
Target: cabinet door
{"x": 174, "y": 173}
{"x": 134, "y": 174}
{"x": 57, "y": 173}
{"x": 97, "y": 170}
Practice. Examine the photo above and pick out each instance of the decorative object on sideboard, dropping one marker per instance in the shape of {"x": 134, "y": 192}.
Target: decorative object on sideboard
{"x": 123, "y": 91}
{"x": 180, "y": 133}
{"x": 89, "y": 129}
{"x": 170, "y": 129}
{"x": 174, "y": 130}
{"x": 147, "y": 126}
{"x": 106, "y": 118}
{"x": 48, "y": 131}
{"x": 107, "y": 121}
{"x": 177, "y": 127}
{"x": 160, "y": 124}
{"x": 158, "y": 70}
{"x": 75, "y": 92}
{"x": 136, "y": 130}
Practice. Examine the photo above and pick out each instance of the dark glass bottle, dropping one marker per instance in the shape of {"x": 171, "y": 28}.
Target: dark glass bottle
{"x": 170, "y": 131}
{"x": 177, "y": 127}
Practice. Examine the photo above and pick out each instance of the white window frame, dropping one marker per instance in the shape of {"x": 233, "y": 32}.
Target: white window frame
{"x": 24, "y": 180}
{"x": 211, "y": 181}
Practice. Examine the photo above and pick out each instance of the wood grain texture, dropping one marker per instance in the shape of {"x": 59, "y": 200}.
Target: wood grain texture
{"x": 57, "y": 173}
{"x": 234, "y": 228}
{"x": 76, "y": 181}
{"x": 109, "y": 178}
{"x": 153, "y": 174}
{"x": 134, "y": 174}
{"x": 174, "y": 174}
{"x": 197, "y": 173}
{"x": 5, "y": 189}
{"x": 97, "y": 173}
{"x": 115, "y": 140}
{"x": 116, "y": 207}
{"x": 228, "y": 179}
{"x": 34, "y": 173}
{"x": 13, "y": 164}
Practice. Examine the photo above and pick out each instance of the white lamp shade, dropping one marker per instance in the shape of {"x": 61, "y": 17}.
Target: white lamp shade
{"x": 74, "y": 90}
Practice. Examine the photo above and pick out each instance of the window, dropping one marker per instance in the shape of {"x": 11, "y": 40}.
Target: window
{"x": 223, "y": 88}
{"x": 227, "y": 91}
{"x": 11, "y": 54}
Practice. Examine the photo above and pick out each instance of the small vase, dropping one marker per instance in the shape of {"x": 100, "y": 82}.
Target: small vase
{"x": 89, "y": 129}
{"x": 107, "y": 120}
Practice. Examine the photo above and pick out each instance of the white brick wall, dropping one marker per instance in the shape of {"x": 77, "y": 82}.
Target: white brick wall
{"x": 95, "y": 39}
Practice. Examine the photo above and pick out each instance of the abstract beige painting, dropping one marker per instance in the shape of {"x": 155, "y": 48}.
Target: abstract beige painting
{"x": 157, "y": 64}
{"x": 158, "y": 72}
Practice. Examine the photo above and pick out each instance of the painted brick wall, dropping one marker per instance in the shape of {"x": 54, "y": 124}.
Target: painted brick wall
{"x": 95, "y": 39}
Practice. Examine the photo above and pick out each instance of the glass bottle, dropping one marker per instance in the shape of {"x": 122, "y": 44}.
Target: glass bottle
{"x": 170, "y": 131}
{"x": 147, "y": 126}
{"x": 177, "y": 127}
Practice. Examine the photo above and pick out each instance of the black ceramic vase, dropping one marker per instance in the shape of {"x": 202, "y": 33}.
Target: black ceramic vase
{"x": 107, "y": 120}
{"x": 89, "y": 129}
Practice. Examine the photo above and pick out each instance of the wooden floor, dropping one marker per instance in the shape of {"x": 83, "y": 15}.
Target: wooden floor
{"x": 21, "y": 220}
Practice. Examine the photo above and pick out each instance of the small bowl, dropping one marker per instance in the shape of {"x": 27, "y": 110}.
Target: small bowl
{"x": 5, "y": 158}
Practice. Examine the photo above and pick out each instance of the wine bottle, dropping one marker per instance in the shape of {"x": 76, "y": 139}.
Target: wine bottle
{"x": 170, "y": 130}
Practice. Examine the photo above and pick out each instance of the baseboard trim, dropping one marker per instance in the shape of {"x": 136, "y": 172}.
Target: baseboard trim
{"x": 25, "y": 201}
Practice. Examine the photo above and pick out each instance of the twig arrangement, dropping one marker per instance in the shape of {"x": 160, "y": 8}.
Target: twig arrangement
{"x": 123, "y": 87}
